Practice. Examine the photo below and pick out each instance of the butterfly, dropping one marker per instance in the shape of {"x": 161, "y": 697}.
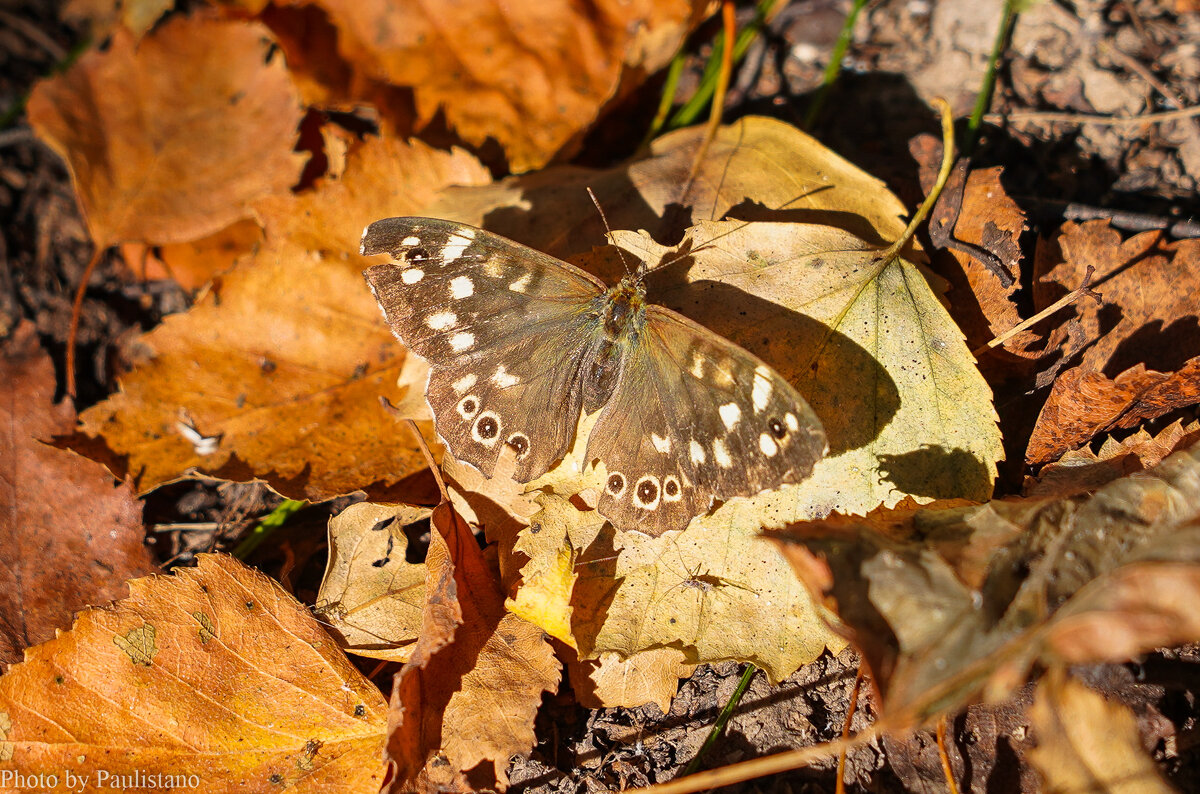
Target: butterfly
{"x": 520, "y": 343}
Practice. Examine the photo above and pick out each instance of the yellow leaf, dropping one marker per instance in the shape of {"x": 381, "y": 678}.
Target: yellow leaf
{"x": 545, "y": 596}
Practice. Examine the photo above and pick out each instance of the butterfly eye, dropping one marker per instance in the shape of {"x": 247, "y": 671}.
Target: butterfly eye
{"x": 671, "y": 490}
{"x": 519, "y": 443}
{"x": 467, "y": 406}
{"x": 647, "y": 492}
{"x": 417, "y": 254}
{"x": 777, "y": 429}
{"x": 616, "y": 484}
{"x": 487, "y": 427}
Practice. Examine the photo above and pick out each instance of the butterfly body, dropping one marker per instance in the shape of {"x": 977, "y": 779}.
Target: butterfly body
{"x": 520, "y": 344}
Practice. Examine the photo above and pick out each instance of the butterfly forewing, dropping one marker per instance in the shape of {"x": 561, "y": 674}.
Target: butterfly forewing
{"x": 504, "y": 327}
{"x": 695, "y": 418}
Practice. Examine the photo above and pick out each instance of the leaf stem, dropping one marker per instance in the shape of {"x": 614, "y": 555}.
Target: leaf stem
{"x": 943, "y": 175}
{"x": 718, "y": 727}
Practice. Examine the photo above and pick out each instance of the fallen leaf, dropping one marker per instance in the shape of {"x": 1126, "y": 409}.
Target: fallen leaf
{"x": 1084, "y": 403}
{"x": 634, "y": 593}
{"x": 371, "y": 596}
{"x": 474, "y": 681}
{"x": 72, "y": 535}
{"x": 214, "y": 676}
{"x": 612, "y": 682}
{"x": 532, "y": 77}
{"x": 760, "y": 167}
{"x": 950, "y": 604}
{"x": 1132, "y": 356}
{"x": 193, "y": 264}
{"x": 172, "y": 138}
{"x": 1086, "y": 743}
{"x": 1084, "y": 470}
{"x": 276, "y": 375}
{"x": 544, "y": 598}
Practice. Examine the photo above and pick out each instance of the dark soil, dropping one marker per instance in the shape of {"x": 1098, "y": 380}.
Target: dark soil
{"x": 1126, "y": 57}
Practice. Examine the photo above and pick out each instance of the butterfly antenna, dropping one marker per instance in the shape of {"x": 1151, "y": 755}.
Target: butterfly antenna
{"x": 608, "y": 232}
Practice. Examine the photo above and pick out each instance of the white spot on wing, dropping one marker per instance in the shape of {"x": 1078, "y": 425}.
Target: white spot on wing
{"x": 410, "y": 241}
{"x": 504, "y": 379}
{"x": 661, "y": 444}
{"x": 461, "y": 287}
{"x": 730, "y": 415}
{"x": 697, "y": 365}
{"x": 721, "y": 455}
{"x": 442, "y": 320}
{"x": 792, "y": 423}
{"x": 697, "y": 452}
{"x": 464, "y": 383}
{"x": 462, "y": 341}
{"x": 762, "y": 388}
{"x": 455, "y": 247}
{"x": 412, "y": 275}
{"x": 767, "y": 445}
{"x": 521, "y": 284}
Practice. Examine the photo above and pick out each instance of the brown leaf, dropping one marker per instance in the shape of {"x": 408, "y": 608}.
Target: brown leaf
{"x": 1083, "y": 404}
{"x": 215, "y": 672}
{"x": 952, "y": 603}
{"x": 474, "y": 682}
{"x": 193, "y": 264}
{"x": 532, "y": 76}
{"x": 72, "y": 536}
{"x": 1086, "y": 743}
{"x": 1084, "y": 470}
{"x": 647, "y": 677}
{"x": 170, "y": 139}
{"x": 276, "y": 375}
{"x": 103, "y": 16}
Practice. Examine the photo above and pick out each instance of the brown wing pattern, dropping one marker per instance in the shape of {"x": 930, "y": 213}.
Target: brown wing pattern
{"x": 695, "y": 418}
{"x": 504, "y": 327}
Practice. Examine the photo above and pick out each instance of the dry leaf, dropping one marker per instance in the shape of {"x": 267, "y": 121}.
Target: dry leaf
{"x": 1085, "y": 470}
{"x": 544, "y": 598}
{"x": 72, "y": 536}
{"x": 278, "y": 372}
{"x": 531, "y": 76}
{"x": 1135, "y": 351}
{"x": 371, "y": 596}
{"x": 214, "y": 674}
{"x": 474, "y": 681}
{"x": 947, "y": 604}
{"x": 612, "y": 682}
{"x": 103, "y": 16}
{"x": 171, "y": 138}
{"x": 1086, "y": 743}
{"x": 193, "y": 264}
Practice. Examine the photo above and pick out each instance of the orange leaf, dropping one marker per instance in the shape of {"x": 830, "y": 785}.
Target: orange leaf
{"x": 71, "y": 537}
{"x": 170, "y": 139}
{"x": 214, "y": 676}
{"x": 531, "y": 75}
{"x": 275, "y": 374}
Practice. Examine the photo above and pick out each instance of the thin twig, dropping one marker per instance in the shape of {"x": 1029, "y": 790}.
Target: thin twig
{"x": 76, "y": 311}
{"x": 983, "y": 100}
{"x": 34, "y": 34}
{"x": 718, "y": 102}
{"x": 1083, "y": 289}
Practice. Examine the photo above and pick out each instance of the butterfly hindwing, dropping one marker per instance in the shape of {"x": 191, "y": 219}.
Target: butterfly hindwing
{"x": 504, "y": 327}
{"x": 695, "y": 418}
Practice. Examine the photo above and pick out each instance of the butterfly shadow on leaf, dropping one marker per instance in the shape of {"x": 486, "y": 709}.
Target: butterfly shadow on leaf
{"x": 853, "y": 395}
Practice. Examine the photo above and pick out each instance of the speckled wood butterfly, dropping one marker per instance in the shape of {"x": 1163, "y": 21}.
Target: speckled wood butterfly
{"x": 520, "y": 343}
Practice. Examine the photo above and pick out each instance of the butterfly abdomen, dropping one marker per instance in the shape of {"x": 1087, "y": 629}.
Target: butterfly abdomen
{"x": 620, "y": 314}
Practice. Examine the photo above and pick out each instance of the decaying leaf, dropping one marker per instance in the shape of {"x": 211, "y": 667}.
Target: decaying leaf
{"x": 947, "y": 604}
{"x": 1136, "y": 351}
{"x": 474, "y": 681}
{"x": 531, "y": 76}
{"x": 647, "y": 677}
{"x": 193, "y": 264}
{"x": 1086, "y": 743}
{"x": 103, "y": 16}
{"x": 214, "y": 672}
{"x": 634, "y": 593}
{"x": 71, "y": 535}
{"x": 277, "y": 374}
{"x": 171, "y": 138}
{"x": 371, "y": 596}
